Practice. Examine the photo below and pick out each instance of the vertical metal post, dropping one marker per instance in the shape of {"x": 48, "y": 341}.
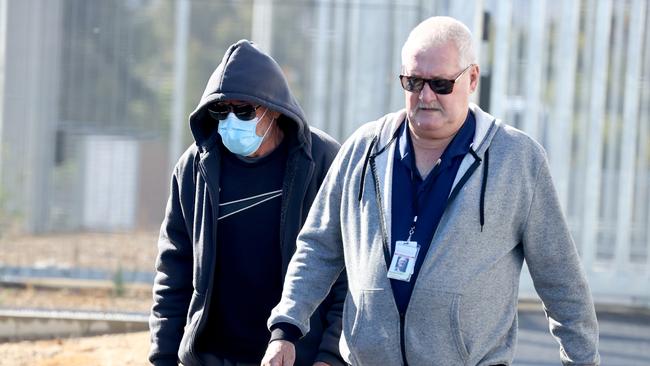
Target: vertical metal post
{"x": 338, "y": 68}
{"x": 262, "y": 32}
{"x": 498, "y": 90}
{"x": 3, "y": 95}
{"x": 579, "y": 159}
{"x": 180, "y": 72}
{"x": 350, "y": 119}
{"x": 642, "y": 203}
{"x": 536, "y": 62}
{"x": 320, "y": 57}
{"x": 405, "y": 19}
{"x": 477, "y": 32}
{"x": 36, "y": 81}
{"x": 592, "y": 188}
{"x": 629, "y": 134}
{"x": 561, "y": 121}
{"x": 612, "y": 124}
{"x": 470, "y": 12}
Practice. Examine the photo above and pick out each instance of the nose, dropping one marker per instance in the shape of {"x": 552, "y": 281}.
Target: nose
{"x": 427, "y": 95}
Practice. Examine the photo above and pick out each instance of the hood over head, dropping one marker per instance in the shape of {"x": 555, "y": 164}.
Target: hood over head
{"x": 248, "y": 74}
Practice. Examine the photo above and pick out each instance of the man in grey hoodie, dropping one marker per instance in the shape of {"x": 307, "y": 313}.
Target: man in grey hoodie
{"x": 238, "y": 198}
{"x": 466, "y": 199}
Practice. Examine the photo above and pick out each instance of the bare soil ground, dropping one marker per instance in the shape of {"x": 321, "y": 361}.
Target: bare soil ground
{"x": 130, "y": 251}
{"x": 108, "y": 350}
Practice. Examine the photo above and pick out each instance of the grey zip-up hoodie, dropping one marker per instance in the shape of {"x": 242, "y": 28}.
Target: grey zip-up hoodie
{"x": 463, "y": 309}
{"x": 187, "y": 246}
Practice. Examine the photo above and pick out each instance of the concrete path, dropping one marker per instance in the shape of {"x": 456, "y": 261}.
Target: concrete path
{"x": 624, "y": 338}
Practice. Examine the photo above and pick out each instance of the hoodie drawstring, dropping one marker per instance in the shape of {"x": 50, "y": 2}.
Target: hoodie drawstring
{"x": 483, "y": 183}
{"x": 370, "y": 155}
{"x": 365, "y": 167}
{"x": 486, "y": 159}
{"x": 195, "y": 164}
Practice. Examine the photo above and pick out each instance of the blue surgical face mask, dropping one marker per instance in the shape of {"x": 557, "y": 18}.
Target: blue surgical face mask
{"x": 239, "y": 136}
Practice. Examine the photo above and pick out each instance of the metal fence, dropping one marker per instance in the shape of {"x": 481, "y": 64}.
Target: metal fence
{"x": 124, "y": 75}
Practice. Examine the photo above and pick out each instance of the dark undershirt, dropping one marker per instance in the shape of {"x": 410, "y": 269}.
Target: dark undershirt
{"x": 248, "y": 271}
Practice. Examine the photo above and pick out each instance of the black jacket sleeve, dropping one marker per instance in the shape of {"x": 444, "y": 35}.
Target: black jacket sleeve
{"x": 172, "y": 289}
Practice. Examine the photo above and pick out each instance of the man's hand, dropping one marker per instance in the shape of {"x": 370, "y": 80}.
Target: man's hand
{"x": 279, "y": 353}
{"x": 321, "y": 363}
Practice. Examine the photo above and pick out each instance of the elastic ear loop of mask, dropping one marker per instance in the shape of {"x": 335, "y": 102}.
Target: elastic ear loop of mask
{"x": 268, "y": 128}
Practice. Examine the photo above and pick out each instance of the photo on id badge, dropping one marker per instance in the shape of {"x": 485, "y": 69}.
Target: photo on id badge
{"x": 401, "y": 263}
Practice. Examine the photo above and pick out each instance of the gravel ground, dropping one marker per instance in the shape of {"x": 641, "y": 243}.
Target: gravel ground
{"x": 108, "y": 350}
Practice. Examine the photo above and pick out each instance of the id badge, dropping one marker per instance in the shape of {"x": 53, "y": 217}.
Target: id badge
{"x": 402, "y": 264}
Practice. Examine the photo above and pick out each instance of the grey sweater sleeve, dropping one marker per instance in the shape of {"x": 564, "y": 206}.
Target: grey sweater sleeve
{"x": 558, "y": 276}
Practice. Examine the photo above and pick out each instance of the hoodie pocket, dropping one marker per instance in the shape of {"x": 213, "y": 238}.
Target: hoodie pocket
{"x": 372, "y": 328}
{"x": 433, "y": 329}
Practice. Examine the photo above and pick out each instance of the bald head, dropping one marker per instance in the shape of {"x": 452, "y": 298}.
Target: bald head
{"x": 436, "y": 32}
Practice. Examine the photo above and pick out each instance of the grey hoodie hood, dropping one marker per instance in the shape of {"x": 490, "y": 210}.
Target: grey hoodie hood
{"x": 247, "y": 74}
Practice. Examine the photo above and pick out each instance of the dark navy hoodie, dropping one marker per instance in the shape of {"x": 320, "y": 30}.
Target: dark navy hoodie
{"x": 187, "y": 246}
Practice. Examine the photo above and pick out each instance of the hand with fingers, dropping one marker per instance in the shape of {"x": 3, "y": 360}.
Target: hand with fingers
{"x": 279, "y": 353}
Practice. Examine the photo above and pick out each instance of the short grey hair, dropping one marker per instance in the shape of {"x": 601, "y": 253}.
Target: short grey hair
{"x": 437, "y": 31}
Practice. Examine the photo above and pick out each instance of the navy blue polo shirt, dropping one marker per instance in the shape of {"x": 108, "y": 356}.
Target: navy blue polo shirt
{"x": 425, "y": 198}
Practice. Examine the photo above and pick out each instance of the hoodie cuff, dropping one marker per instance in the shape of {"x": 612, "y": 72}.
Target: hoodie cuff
{"x": 285, "y": 332}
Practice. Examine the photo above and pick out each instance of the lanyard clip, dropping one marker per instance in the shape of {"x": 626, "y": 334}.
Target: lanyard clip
{"x": 412, "y": 229}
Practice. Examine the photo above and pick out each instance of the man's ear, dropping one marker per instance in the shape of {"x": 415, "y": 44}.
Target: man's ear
{"x": 474, "y": 75}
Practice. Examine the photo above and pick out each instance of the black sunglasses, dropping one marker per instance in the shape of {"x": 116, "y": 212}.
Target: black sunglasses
{"x": 219, "y": 111}
{"x": 415, "y": 84}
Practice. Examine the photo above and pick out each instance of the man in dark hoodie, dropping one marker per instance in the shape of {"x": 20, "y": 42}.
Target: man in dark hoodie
{"x": 239, "y": 197}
